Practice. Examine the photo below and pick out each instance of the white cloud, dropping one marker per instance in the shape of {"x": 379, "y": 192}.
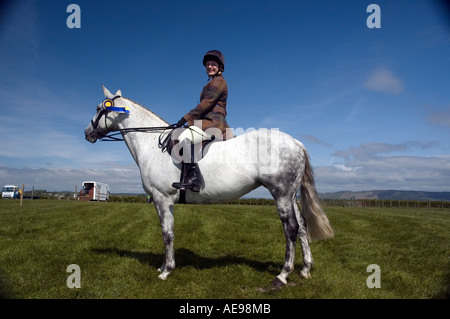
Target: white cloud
{"x": 368, "y": 150}
{"x": 400, "y": 172}
{"x": 439, "y": 118}
{"x": 383, "y": 80}
{"x": 344, "y": 168}
{"x": 315, "y": 140}
{"x": 364, "y": 169}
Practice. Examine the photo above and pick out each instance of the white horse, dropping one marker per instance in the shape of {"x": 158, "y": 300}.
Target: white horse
{"x": 230, "y": 169}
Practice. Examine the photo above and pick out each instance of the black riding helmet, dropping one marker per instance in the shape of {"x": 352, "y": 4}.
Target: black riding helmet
{"x": 217, "y": 56}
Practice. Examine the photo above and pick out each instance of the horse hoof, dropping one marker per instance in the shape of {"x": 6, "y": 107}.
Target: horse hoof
{"x": 278, "y": 283}
{"x": 305, "y": 274}
{"x": 162, "y": 276}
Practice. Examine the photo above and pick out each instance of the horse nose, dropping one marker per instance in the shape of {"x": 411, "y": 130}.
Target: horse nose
{"x": 89, "y": 135}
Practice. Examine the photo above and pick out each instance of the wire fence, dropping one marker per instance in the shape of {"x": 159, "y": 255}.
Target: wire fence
{"x": 32, "y": 193}
{"x": 388, "y": 203}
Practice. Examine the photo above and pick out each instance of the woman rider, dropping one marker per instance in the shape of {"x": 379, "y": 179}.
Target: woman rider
{"x": 209, "y": 113}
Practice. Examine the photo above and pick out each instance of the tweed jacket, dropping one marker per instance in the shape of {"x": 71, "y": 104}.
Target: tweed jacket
{"x": 212, "y": 109}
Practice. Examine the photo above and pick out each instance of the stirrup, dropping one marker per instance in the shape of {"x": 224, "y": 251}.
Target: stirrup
{"x": 178, "y": 185}
{"x": 181, "y": 186}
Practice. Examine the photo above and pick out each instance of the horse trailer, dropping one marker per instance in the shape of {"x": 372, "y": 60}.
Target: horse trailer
{"x": 94, "y": 191}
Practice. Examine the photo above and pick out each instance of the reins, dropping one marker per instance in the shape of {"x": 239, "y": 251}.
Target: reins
{"x": 164, "y": 141}
{"x": 150, "y": 129}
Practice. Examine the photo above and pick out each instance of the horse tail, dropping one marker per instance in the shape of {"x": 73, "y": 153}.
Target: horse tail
{"x": 317, "y": 223}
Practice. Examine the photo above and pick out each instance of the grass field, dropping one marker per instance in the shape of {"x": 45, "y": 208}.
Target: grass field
{"x": 222, "y": 251}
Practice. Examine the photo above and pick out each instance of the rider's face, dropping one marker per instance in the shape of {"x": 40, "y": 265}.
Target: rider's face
{"x": 212, "y": 67}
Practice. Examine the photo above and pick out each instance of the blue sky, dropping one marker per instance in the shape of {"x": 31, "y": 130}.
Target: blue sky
{"x": 371, "y": 105}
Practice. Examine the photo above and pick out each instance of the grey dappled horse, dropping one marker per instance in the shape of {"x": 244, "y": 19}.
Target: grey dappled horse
{"x": 230, "y": 169}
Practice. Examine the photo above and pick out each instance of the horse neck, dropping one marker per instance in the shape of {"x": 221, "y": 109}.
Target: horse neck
{"x": 141, "y": 145}
{"x": 141, "y": 117}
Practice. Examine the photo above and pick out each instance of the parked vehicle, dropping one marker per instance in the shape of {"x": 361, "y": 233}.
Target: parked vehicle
{"x": 94, "y": 191}
{"x": 11, "y": 191}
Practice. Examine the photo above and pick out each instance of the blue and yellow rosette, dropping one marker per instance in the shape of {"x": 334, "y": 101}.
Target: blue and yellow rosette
{"x": 108, "y": 105}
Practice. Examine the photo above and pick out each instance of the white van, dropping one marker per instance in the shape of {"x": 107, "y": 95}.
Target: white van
{"x": 94, "y": 191}
{"x": 10, "y": 191}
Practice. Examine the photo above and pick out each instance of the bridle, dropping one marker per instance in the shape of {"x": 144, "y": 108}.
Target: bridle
{"x": 109, "y": 106}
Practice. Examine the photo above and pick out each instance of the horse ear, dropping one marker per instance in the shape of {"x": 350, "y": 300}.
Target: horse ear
{"x": 119, "y": 93}
{"x": 108, "y": 94}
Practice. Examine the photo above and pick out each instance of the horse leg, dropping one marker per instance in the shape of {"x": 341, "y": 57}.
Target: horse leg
{"x": 291, "y": 227}
{"x": 306, "y": 250}
{"x": 165, "y": 213}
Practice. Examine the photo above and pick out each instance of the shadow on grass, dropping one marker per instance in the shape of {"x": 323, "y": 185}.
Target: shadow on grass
{"x": 185, "y": 258}
{"x": 4, "y": 294}
{"x": 444, "y": 293}
{"x": 4, "y": 287}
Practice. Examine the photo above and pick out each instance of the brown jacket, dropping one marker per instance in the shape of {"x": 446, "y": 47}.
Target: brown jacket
{"x": 212, "y": 109}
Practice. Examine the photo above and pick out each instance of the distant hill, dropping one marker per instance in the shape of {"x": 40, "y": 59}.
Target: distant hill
{"x": 388, "y": 194}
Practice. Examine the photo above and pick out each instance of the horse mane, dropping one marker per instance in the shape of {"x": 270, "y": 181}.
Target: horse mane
{"x": 148, "y": 110}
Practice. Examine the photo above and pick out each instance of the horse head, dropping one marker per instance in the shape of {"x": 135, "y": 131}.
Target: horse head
{"x": 109, "y": 113}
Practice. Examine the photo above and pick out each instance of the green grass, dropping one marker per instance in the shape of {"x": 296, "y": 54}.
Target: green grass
{"x": 222, "y": 251}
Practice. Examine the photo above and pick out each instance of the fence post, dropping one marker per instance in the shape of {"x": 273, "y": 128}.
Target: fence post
{"x": 21, "y": 195}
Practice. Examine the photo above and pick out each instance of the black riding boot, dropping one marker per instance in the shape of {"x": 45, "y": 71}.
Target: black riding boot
{"x": 192, "y": 180}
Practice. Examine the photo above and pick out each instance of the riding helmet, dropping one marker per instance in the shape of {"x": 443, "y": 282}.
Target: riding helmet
{"x": 216, "y": 56}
